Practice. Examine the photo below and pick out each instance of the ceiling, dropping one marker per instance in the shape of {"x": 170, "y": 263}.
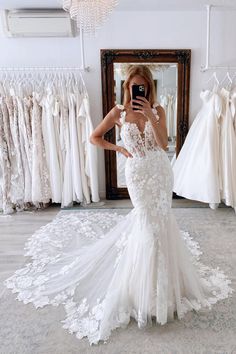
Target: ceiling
{"x": 123, "y": 5}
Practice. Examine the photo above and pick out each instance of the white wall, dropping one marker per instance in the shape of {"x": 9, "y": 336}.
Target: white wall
{"x": 158, "y": 30}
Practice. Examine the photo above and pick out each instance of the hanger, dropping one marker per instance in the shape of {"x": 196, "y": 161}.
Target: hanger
{"x": 2, "y": 90}
{"x": 22, "y": 81}
{"x": 213, "y": 76}
{"x": 227, "y": 76}
{"x": 69, "y": 81}
{"x": 232, "y": 82}
{"x": 49, "y": 82}
{"x": 42, "y": 78}
{"x": 4, "y": 83}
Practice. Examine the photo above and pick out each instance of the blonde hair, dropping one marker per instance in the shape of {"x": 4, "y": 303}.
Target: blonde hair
{"x": 145, "y": 72}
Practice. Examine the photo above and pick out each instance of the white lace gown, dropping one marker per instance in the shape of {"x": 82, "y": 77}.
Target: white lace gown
{"x": 105, "y": 268}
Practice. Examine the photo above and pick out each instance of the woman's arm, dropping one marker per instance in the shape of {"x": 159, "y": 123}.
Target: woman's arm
{"x": 159, "y": 127}
{"x": 106, "y": 124}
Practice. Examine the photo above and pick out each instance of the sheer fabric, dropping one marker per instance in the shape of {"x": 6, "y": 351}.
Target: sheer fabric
{"x": 105, "y": 268}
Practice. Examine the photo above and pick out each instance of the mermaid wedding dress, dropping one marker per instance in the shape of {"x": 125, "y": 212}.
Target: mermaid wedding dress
{"x": 105, "y": 268}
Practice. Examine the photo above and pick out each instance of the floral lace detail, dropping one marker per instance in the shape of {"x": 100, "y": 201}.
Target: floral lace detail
{"x": 17, "y": 178}
{"x": 87, "y": 227}
{"x": 51, "y": 249}
{"x": 105, "y": 267}
{"x": 137, "y": 143}
{"x": 41, "y": 191}
{"x": 142, "y": 186}
{"x": 5, "y": 160}
{"x": 133, "y": 140}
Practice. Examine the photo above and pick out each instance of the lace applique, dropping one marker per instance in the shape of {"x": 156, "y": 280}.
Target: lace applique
{"x": 105, "y": 267}
{"x": 5, "y": 155}
{"x": 138, "y": 143}
{"x": 17, "y": 177}
{"x": 41, "y": 191}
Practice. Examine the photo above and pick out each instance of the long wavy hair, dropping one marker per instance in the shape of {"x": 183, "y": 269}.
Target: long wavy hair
{"x": 145, "y": 72}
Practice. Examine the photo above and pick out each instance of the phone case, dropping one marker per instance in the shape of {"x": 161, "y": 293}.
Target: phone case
{"x": 137, "y": 90}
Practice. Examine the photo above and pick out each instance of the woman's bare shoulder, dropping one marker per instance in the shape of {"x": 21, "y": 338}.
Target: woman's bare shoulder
{"x": 114, "y": 114}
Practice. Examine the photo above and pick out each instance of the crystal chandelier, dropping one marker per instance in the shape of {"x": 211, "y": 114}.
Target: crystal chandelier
{"x": 89, "y": 14}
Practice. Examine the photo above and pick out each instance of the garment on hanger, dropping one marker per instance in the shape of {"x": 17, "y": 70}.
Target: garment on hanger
{"x": 90, "y": 149}
{"x": 170, "y": 116}
{"x": 197, "y": 164}
{"x": 205, "y": 169}
{"x": 227, "y": 150}
{"x": 46, "y": 155}
{"x": 41, "y": 190}
{"x": 169, "y": 102}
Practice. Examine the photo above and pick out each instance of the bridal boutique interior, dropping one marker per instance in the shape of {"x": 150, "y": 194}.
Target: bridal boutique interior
{"x": 61, "y": 72}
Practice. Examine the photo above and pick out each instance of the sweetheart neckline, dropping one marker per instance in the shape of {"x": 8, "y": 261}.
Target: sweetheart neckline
{"x": 141, "y": 133}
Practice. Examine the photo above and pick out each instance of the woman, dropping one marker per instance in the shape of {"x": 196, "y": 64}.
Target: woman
{"x": 104, "y": 267}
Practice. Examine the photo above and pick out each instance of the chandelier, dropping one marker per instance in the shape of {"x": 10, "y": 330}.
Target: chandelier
{"x": 89, "y": 14}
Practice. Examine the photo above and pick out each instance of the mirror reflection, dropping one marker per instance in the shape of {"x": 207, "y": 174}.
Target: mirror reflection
{"x": 165, "y": 77}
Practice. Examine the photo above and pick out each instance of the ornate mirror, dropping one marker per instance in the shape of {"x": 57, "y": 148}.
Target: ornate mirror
{"x": 171, "y": 74}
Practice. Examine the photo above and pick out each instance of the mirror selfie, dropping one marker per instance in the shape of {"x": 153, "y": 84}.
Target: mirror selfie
{"x": 117, "y": 178}
{"x": 166, "y": 77}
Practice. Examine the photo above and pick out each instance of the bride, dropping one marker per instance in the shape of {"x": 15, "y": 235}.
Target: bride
{"x": 104, "y": 267}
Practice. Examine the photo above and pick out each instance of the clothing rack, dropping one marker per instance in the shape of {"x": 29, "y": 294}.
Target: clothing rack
{"x": 46, "y": 71}
{"x": 207, "y": 66}
{"x": 42, "y": 69}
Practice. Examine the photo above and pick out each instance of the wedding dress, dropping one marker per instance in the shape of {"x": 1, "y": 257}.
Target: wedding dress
{"x": 196, "y": 168}
{"x": 41, "y": 191}
{"x": 170, "y": 116}
{"x": 105, "y": 268}
{"x": 228, "y": 149}
{"x": 45, "y": 152}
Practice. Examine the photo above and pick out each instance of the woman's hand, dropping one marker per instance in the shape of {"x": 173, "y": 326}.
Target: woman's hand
{"x": 125, "y": 152}
{"x": 145, "y": 107}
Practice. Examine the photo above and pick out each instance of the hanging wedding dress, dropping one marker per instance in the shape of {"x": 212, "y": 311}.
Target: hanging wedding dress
{"x": 196, "y": 169}
{"x": 17, "y": 178}
{"x": 45, "y": 153}
{"x": 49, "y": 103}
{"x": 67, "y": 188}
{"x": 105, "y": 268}
{"x": 41, "y": 191}
{"x": 170, "y": 116}
{"x": 90, "y": 149}
{"x": 80, "y": 123}
{"x": 228, "y": 149}
{"x": 5, "y": 157}
{"x": 75, "y": 157}
{"x": 24, "y": 148}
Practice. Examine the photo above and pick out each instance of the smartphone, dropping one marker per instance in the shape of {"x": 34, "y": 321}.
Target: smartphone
{"x": 137, "y": 90}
